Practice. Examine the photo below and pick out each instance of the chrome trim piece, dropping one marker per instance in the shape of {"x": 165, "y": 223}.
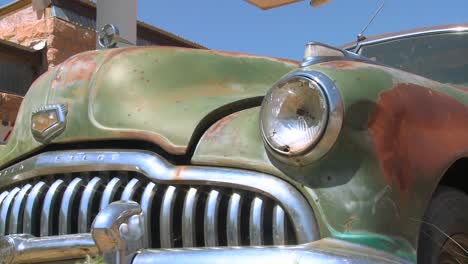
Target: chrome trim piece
{"x": 279, "y": 226}
{"x": 323, "y": 251}
{"x": 65, "y": 219}
{"x": 28, "y": 249}
{"x": 188, "y": 218}
{"x": 16, "y": 216}
{"x": 333, "y": 127}
{"x": 33, "y": 203}
{"x": 109, "y": 192}
{"x": 166, "y": 217}
{"x": 5, "y": 209}
{"x": 55, "y": 129}
{"x": 86, "y": 204}
{"x": 256, "y": 222}
{"x": 146, "y": 207}
{"x": 234, "y": 220}
{"x": 119, "y": 231}
{"x": 50, "y": 201}
{"x": 160, "y": 171}
{"x": 407, "y": 35}
{"x": 210, "y": 226}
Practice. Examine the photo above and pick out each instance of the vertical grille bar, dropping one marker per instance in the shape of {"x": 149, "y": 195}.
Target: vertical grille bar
{"x": 279, "y": 226}
{"x": 256, "y": 222}
{"x": 109, "y": 192}
{"x": 5, "y": 209}
{"x": 188, "y": 218}
{"x": 16, "y": 216}
{"x": 130, "y": 190}
{"x": 32, "y": 205}
{"x": 166, "y": 217}
{"x": 233, "y": 220}
{"x": 50, "y": 200}
{"x": 211, "y": 219}
{"x": 86, "y": 204}
{"x": 146, "y": 206}
{"x": 2, "y": 196}
{"x": 65, "y": 218}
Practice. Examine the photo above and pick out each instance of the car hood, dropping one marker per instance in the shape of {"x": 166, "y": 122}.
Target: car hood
{"x": 157, "y": 94}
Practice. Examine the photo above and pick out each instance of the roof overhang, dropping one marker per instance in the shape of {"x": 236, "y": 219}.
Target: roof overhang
{"x": 267, "y": 4}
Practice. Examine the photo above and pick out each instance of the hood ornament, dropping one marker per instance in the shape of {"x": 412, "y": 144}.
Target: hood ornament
{"x": 48, "y": 122}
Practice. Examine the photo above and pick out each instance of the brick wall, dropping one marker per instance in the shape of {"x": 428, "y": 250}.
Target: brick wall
{"x": 67, "y": 39}
{"x": 63, "y": 39}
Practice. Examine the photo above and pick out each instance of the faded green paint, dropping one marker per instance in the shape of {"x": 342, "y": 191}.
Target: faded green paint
{"x": 161, "y": 95}
{"x": 347, "y": 188}
{"x": 155, "y": 94}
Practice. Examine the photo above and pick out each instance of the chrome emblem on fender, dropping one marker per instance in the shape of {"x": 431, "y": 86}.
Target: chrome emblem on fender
{"x": 48, "y": 122}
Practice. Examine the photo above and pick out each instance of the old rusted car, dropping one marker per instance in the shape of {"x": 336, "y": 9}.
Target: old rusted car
{"x": 166, "y": 155}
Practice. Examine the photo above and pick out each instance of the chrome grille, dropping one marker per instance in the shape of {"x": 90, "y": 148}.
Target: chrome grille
{"x": 176, "y": 215}
{"x": 60, "y": 193}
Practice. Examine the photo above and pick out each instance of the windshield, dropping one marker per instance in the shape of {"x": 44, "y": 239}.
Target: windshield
{"x": 441, "y": 57}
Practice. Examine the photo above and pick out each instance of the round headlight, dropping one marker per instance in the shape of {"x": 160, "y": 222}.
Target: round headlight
{"x": 297, "y": 114}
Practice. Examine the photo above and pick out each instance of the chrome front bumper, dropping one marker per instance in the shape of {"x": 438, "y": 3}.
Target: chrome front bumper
{"x": 118, "y": 234}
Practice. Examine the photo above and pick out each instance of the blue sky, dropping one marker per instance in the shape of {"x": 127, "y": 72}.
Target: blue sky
{"x": 235, "y": 25}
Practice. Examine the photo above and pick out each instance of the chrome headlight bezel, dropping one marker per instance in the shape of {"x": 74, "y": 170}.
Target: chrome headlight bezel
{"x": 327, "y": 136}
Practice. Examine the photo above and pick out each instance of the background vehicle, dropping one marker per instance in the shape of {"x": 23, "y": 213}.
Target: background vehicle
{"x": 355, "y": 157}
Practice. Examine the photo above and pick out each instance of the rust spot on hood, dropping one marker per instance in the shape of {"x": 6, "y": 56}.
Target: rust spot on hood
{"x": 131, "y": 50}
{"x": 78, "y": 68}
{"x": 340, "y": 64}
{"x": 417, "y": 132}
{"x": 244, "y": 55}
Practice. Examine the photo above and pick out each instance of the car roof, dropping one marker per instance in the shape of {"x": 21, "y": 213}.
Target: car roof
{"x": 411, "y": 32}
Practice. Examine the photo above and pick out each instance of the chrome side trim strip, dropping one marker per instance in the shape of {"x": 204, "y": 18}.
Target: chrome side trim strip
{"x": 146, "y": 207}
{"x": 323, "y": 251}
{"x": 166, "y": 217}
{"x": 5, "y": 209}
{"x": 16, "y": 216}
{"x": 86, "y": 204}
{"x": 33, "y": 203}
{"x": 109, "y": 192}
{"x": 211, "y": 219}
{"x": 50, "y": 202}
{"x": 407, "y": 35}
{"x": 188, "y": 218}
{"x": 233, "y": 220}
{"x": 256, "y": 222}
{"x": 65, "y": 218}
{"x": 279, "y": 226}
{"x": 160, "y": 171}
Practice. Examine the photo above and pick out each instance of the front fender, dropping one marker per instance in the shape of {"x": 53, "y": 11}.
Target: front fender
{"x": 400, "y": 133}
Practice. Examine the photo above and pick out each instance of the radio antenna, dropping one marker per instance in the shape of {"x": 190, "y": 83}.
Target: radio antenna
{"x": 360, "y": 36}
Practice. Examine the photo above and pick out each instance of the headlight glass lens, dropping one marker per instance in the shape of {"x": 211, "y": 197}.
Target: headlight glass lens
{"x": 294, "y": 115}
